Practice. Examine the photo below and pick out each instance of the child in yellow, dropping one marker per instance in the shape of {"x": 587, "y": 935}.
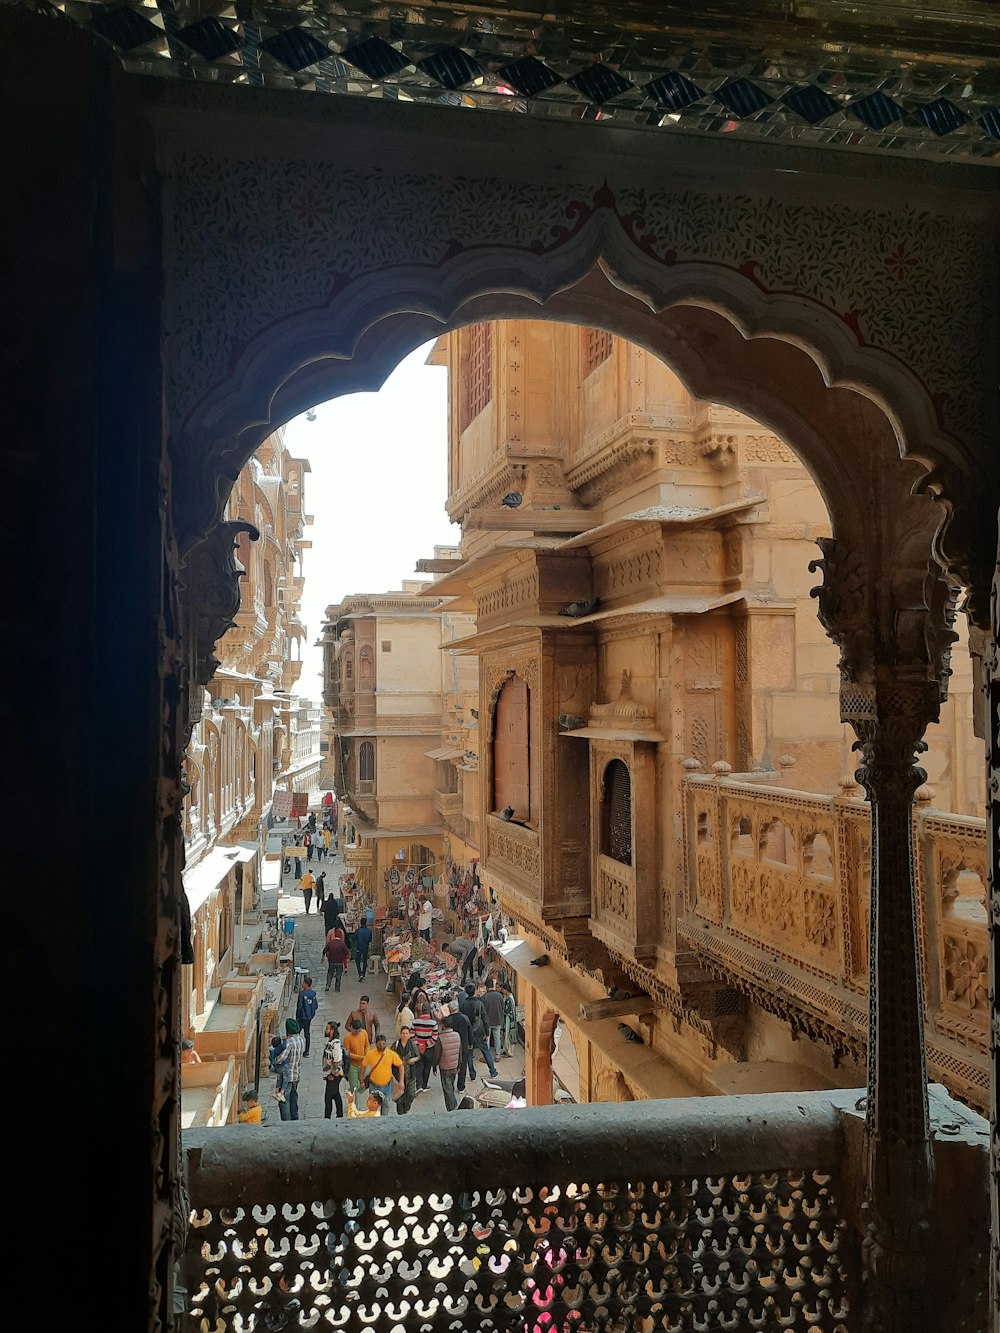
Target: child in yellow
{"x": 250, "y": 1112}
{"x": 374, "y": 1106}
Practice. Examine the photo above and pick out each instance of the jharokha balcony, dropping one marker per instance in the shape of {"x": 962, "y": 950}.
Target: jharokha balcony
{"x": 735, "y": 1213}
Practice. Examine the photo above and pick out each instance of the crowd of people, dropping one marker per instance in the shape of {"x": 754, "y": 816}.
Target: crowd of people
{"x": 449, "y": 1011}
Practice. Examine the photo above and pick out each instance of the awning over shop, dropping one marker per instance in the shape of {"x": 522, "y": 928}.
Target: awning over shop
{"x": 647, "y": 1069}
{"x": 203, "y": 879}
{"x": 445, "y": 752}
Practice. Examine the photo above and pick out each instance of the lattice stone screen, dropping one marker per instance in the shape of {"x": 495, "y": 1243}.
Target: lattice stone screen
{"x": 688, "y": 1215}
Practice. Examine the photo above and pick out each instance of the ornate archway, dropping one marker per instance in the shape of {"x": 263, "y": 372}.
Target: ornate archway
{"x": 733, "y": 295}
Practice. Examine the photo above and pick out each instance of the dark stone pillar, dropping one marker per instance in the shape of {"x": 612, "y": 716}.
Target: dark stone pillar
{"x": 81, "y": 644}
{"x": 898, "y": 1150}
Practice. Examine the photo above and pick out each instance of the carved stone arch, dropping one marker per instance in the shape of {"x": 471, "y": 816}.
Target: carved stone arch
{"x": 354, "y": 341}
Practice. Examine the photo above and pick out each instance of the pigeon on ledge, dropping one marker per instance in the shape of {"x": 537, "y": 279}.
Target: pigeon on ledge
{"x": 543, "y": 961}
{"x": 506, "y": 814}
{"x": 570, "y": 721}
{"x": 576, "y": 609}
{"x": 512, "y": 499}
{"x": 630, "y": 1034}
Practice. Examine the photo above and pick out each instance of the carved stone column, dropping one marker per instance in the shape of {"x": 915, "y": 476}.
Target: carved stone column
{"x": 890, "y": 609}
{"x": 991, "y": 719}
{"x": 899, "y": 1155}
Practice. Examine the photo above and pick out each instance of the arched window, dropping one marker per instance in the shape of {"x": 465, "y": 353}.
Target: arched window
{"x": 365, "y": 664}
{"x": 366, "y": 762}
{"x": 349, "y": 668}
{"x": 616, "y": 829}
{"x": 512, "y": 750}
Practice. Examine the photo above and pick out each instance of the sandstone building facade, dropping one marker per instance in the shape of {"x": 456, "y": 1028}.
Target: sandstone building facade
{"x": 395, "y": 702}
{"x": 659, "y": 709}
{"x": 251, "y": 737}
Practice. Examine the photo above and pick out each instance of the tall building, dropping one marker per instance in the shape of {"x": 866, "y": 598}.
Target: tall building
{"x": 667, "y": 803}
{"x": 250, "y": 738}
{"x": 389, "y": 690}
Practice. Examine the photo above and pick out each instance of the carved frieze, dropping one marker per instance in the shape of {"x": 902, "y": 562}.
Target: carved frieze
{"x": 611, "y": 468}
{"x": 764, "y": 449}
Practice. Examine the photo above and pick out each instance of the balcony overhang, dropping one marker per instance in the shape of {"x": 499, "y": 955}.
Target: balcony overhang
{"x": 644, "y": 1067}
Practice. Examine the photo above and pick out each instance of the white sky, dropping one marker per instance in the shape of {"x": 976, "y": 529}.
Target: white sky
{"x": 377, "y": 489}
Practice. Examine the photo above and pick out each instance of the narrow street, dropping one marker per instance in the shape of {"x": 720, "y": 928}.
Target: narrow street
{"x": 309, "y": 939}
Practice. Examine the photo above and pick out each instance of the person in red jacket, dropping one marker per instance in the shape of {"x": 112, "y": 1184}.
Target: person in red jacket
{"x": 337, "y": 956}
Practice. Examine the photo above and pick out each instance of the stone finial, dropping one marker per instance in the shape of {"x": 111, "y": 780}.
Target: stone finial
{"x": 692, "y": 765}
{"x": 786, "y": 761}
{"x": 924, "y": 794}
{"x": 720, "y": 768}
{"x": 847, "y": 785}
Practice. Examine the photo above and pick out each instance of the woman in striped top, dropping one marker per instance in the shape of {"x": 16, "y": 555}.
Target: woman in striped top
{"x": 425, "y": 1034}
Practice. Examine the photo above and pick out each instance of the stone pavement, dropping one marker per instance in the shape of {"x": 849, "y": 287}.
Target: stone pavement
{"x": 309, "y": 939}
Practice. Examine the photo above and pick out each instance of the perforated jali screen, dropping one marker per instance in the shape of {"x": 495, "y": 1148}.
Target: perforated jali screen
{"x": 740, "y": 1250}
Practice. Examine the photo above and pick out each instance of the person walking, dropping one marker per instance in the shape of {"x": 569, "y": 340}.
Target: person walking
{"x": 294, "y": 1043}
{"x": 307, "y": 884}
{"x": 381, "y": 1070}
{"x": 451, "y": 1054}
{"x": 362, "y": 946}
{"x": 494, "y": 1008}
{"x": 472, "y": 1008}
{"x": 337, "y": 956}
{"x": 357, "y": 1045}
{"x": 333, "y": 1071}
{"x": 463, "y": 1027}
{"x": 406, "y": 1048}
{"x": 320, "y": 890}
{"x": 369, "y": 1019}
{"x": 425, "y": 1034}
{"x": 404, "y": 1016}
{"x": 307, "y": 843}
{"x": 509, "y": 1031}
{"x": 327, "y": 837}
{"x": 331, "y": 912}
{"x": 305, "y": 1010}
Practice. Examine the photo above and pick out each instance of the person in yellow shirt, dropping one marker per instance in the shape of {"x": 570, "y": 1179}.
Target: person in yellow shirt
{"x": 307, "y": 883}
{"x": 250, "y": 1112}
{"x": 384, "y": 1069}
{"x": 356, "y": 1045}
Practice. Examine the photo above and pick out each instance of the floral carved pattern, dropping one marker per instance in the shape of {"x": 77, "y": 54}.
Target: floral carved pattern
{"x": 965, "y": 973}
{"x": 252, "y": 241}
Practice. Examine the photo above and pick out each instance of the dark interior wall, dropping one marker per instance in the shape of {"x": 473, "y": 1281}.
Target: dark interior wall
{"x": 82, "y": 542}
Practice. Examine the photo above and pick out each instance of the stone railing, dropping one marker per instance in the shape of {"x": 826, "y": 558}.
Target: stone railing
{"x": 701, "y": 1214}
{"x": 614, "y": 900}
{"x": 448, "y": 804}
{"x": 777, "y": 902}
{"x": 517, "y": 848}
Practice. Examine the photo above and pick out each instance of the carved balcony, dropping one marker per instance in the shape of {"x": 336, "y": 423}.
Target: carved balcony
{"x": 516, "y": 850}
{"x": 613, "y": 918}
{"x": 698, "y": 1214}
{"x": 777, "y": 905}
{"x": 448, "y": 805}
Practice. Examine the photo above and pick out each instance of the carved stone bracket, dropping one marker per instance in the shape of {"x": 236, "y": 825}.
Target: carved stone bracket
{"x": 210, "y": 597}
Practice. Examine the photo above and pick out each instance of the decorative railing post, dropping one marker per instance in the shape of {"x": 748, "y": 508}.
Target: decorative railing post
{"x": 898, "y": 1151}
